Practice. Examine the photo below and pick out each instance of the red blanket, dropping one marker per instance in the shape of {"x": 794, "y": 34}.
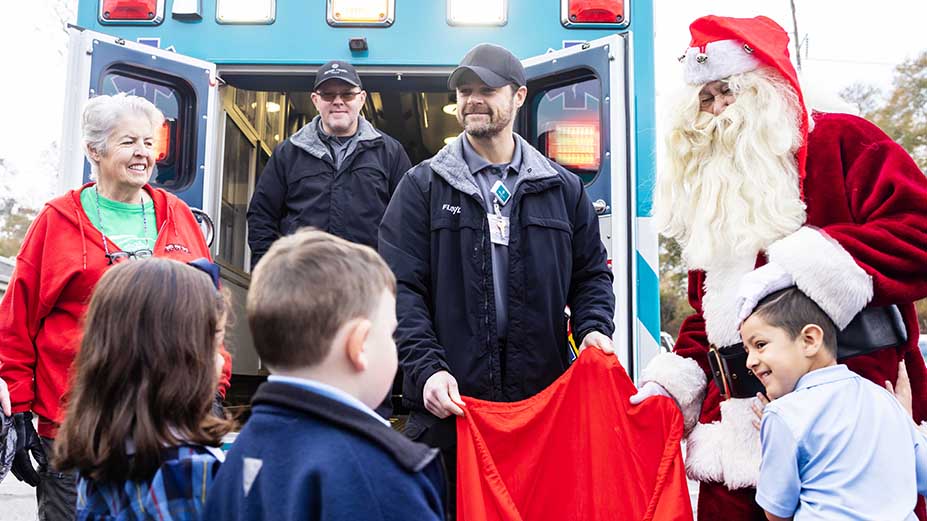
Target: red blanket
{"x": 576, "y": 451}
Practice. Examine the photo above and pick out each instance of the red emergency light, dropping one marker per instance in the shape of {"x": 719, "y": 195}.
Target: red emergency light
{"x": 131, "y": 11}
{"x": 593, "y": 13}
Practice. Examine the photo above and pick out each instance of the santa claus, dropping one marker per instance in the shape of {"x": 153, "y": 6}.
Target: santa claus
{"x": 760, "y": 196}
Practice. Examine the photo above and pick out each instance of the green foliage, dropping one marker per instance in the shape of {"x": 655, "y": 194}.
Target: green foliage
{"x": 674, "y": 303}
{"x": 14, "y": 223}
{"x": 903, "y": 114}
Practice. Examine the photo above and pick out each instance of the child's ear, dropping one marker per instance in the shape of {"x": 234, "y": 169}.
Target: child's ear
{"x": 812, "y": 339}
{"x": 356, "y": 341}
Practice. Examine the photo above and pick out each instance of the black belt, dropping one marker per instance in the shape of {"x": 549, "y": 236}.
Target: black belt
{"x": 873, "y": 329}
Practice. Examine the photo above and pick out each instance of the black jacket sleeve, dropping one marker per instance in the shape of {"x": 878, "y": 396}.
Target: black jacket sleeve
{"x": 267, "y": 205}
{"x": 405, "y": 244}
{"x": 591, "y": 298}
{"x": 399, "y": 165}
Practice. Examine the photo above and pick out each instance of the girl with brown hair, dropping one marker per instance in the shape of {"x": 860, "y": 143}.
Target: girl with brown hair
{"x": 138, "y": 427}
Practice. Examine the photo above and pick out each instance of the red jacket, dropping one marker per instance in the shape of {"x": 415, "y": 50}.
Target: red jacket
{"x": 60, "y": 262}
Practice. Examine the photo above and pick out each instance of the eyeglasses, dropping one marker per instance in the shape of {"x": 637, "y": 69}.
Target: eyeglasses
{"x": 347, "y": 97}
{"x": 118, "y": 256}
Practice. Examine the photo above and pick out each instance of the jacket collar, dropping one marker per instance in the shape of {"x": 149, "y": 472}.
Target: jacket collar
{"x": 450, "y": 165}
{"x": 410, "y": 455}
{"x": 308, "y": 139}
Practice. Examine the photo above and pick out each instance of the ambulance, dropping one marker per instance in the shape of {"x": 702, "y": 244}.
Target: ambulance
{"x": 233, "y": 78}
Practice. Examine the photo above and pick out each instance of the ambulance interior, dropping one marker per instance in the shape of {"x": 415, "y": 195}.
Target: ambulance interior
{"x": 260, "y": 111}
{"x": 419, "y": 111}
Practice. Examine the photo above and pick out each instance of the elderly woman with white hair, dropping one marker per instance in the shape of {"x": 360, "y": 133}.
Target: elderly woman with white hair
{"x": 73, "y": 241}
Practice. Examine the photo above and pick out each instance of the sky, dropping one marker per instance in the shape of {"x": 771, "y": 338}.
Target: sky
{"x": 848, "y": 41}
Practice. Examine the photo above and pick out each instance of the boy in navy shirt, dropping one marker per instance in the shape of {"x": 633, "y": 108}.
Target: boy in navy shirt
{"x": 322, "y": 314}
{"x": 835, "y": 446}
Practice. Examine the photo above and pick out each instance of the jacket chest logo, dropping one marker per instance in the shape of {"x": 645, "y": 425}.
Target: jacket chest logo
{"x": 454, "y": 210}
{"x": 176, "y": 247}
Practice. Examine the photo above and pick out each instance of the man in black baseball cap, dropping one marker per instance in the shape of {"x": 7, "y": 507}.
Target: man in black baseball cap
{"x": 337, "y": 70}
{"x": 335, "y": 174}
{"x": 493, "y": 65}
{"x": 476, "y": 317}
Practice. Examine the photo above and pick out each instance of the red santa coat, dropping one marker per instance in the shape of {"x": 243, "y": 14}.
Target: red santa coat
{"x": 864, "y": 241}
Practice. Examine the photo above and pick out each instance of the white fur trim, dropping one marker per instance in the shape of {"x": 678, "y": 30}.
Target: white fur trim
{"x": 725, "y": 58}
{"x": 727, "y": 451}
{"x": 922, "y": 427}
{"x": 683, "y": 379}
{"x": 703, "y": 453}
{"x": 825, "y": 272}
{"x": 719, "y": 303}
{"x": 742, "y": 451}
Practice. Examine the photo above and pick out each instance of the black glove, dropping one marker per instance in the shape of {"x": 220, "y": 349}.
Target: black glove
{"x": 27, "y": 441}
{"x": 217, "y": 409}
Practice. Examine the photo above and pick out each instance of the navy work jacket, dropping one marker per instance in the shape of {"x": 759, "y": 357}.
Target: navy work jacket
{"x": 300, "y": 186}
{"x": 435, "y": 237}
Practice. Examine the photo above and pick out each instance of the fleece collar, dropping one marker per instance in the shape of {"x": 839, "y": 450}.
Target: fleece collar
{"x": 449, "y": 163}
{"x": 308, "y": 138}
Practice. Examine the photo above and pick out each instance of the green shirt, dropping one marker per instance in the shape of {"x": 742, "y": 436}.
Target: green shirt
{"x": 122, "y": 222}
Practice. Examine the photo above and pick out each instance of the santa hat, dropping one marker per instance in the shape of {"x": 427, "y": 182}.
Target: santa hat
{"x": 723, "y": 46}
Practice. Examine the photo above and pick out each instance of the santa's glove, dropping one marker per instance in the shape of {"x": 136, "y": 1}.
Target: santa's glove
{"x": 758, "y": 284}
{"x": 648, "y": 390}
{"x": 27, "y": 442}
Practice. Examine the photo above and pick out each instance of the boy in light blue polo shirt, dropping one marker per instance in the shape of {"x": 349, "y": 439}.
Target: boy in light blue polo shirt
{"x": 835, "y": 446}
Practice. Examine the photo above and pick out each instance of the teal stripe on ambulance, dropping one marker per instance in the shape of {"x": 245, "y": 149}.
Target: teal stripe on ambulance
{"x": 648, "y": 297}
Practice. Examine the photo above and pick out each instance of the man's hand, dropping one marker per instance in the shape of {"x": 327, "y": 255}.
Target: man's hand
{"x": 5, "y": 399}
{"x": 902, "y": 389}
{"x": 596, "y": 339}
{"x": 441, "y": 396}
{"x": 757, "y": 284}
{"x": 650, "y": 389}
{"x": 27, "y": 441}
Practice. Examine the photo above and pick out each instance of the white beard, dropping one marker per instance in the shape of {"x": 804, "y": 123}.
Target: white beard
{"x": 730, "y": 187}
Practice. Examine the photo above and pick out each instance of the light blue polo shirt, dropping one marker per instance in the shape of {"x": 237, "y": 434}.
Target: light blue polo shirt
{"x": 840, "y": 447}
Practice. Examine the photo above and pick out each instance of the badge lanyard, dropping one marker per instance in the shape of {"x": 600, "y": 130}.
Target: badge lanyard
{"x": 498, "y": 223}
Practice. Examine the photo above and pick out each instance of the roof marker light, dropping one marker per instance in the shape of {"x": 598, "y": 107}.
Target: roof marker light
{"x": 594, "y": 13}
{"x": 361, "y": 13}
{"x": 477, "y": 12}
{"x": 256, "y": 12}
{"x": 131, "y": 12}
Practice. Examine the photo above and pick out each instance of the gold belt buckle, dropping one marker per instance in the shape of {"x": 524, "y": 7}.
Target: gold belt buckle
{"x": 726, "y": 392}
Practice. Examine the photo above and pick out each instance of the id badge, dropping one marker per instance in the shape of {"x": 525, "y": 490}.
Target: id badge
{"x": 498, "y": 229}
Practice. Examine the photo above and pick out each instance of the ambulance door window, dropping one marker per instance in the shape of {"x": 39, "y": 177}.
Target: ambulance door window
{"x": 272, "y": 131}
{"x": 246, "y": 101}
{"x": 566, "y": 125}
{"x": 238, "y": 160}
{"x": 175, "y": 170}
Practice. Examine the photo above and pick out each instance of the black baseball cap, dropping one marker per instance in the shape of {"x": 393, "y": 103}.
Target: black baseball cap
{"x": 337, "y": 70}
{"x": 494, "y": 65}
